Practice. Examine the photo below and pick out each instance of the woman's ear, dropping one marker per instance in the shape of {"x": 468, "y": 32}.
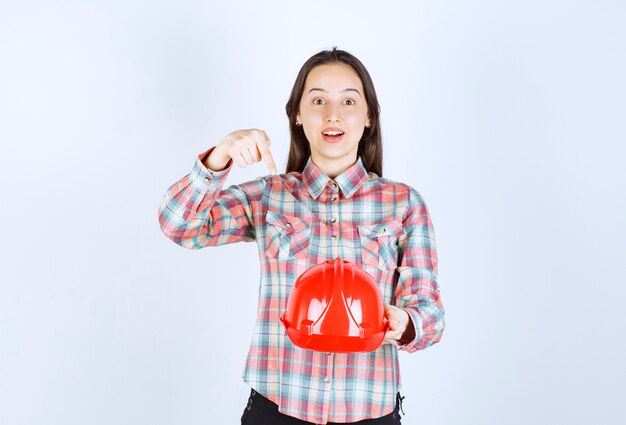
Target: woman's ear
{"x": 368, "y": 124}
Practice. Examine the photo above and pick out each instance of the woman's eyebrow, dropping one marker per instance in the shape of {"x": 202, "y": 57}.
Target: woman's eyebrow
{"x": 326, "y": 91}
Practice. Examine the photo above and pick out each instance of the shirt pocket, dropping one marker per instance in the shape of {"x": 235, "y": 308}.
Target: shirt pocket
{"x": 379, "y": 244}
{"x": 287, "y": 236}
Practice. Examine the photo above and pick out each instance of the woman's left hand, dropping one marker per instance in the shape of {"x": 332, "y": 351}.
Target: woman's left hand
{"x": 398, "y": 322}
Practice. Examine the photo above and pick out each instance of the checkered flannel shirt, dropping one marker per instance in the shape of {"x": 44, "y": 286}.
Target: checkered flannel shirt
{"x": 301, "y": 219}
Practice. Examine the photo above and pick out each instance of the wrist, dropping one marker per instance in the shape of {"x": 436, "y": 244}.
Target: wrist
{"x": 217, "y": 160}
{"x": 409, "y": 332}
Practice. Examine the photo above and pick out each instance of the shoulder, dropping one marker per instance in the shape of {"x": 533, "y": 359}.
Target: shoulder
{"x": 291, "y": 179}
{"x": 403, "y": 189}
{"x": 289, "y": 182}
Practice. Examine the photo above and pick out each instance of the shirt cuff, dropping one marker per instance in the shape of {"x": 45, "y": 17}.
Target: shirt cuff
{"x": 205, "y": 179}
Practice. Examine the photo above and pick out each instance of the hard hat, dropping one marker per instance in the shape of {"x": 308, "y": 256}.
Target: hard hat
{"x": 335, "y": 307}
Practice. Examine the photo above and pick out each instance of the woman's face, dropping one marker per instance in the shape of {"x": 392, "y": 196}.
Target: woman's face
{"x": 333, "y": 113}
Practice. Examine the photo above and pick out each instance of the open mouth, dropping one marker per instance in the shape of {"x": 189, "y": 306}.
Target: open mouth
{"x": 332, "y": 135}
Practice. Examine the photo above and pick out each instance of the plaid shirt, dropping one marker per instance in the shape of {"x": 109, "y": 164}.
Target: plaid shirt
{"x": 299, "y": 220}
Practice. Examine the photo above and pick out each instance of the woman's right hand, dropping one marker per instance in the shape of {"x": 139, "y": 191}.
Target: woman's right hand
{"x": 244, "y": 147}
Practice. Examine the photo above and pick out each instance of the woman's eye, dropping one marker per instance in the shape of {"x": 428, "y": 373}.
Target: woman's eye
{"x": 350, "y": 102}
{"x": 318, "y": 101}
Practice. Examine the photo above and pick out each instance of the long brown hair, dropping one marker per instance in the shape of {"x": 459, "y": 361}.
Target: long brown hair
{"x": 370, "y": 146}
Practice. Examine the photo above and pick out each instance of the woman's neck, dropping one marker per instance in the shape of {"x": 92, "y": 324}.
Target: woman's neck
{"x": 332, "y": 168}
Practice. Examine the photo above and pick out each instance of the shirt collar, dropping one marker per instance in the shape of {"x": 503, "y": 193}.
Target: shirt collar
{"x": 349, "y": 181}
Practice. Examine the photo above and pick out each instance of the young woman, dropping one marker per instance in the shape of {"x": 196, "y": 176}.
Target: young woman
{"x": 331, "y": 202}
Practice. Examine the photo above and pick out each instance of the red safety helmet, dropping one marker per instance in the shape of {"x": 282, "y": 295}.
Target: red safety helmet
{"x": 335, "y": 307}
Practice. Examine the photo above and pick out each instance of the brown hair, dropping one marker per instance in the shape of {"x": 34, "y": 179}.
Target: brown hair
{"x": 370, "y": 146}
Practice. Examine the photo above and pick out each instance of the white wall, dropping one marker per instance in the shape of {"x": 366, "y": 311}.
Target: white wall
{"x": 508, "y": 116}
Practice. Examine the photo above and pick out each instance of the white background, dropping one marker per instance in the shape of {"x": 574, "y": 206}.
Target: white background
{"x": 508, "y": 117}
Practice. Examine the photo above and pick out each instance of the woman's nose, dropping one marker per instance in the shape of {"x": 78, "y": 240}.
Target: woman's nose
{"x": 332, "y": 114}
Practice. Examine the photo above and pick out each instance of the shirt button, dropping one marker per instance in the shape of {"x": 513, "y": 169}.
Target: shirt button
{"x": 334, "y": 185}
{"x": 327, "y": 379}
{"x": 329, "y": 354}
{"x": 333, "y": 237}
{"x": 333, "y": 199}
{"x": 332, "y": 220}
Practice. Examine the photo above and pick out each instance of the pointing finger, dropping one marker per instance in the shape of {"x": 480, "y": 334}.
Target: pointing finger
{"x": 264, "y": 149}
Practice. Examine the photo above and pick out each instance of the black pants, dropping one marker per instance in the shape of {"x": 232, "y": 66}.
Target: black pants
{"x": 261, "y": 411}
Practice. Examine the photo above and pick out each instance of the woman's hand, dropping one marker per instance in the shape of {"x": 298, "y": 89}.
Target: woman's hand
{"x": 399, "y": 320}
{"x": 245, "y": 147}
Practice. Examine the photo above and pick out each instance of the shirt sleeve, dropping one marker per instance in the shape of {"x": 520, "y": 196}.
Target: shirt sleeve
{"x": 196, "y": 212}
{"x": 417, "y": 290}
